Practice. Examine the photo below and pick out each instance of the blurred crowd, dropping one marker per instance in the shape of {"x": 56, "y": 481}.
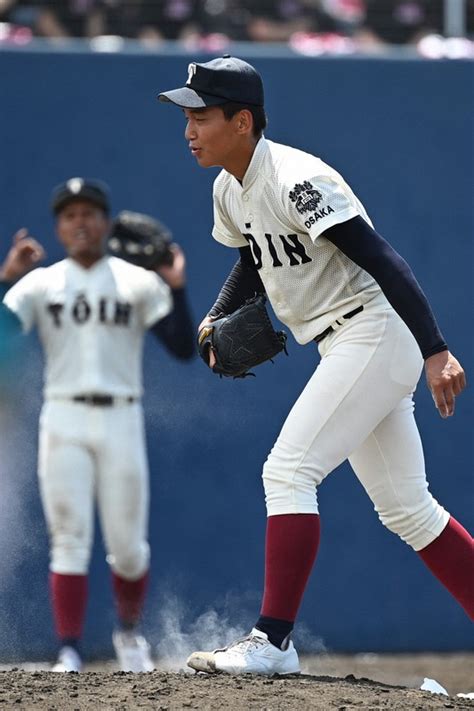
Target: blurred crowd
{"x": 212, "y": 24}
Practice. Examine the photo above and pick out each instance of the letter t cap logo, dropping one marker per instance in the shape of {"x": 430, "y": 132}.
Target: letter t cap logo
{"x": 191, "y": 72}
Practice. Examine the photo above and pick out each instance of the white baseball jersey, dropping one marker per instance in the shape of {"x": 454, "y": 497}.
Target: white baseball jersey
{"x": 287, "y": 199}
{"x": 91, "y": 323}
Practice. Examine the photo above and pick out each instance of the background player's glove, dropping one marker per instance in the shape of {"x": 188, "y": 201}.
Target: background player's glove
{"x": 141, "y": 240}
{"x": 241, "y": 340}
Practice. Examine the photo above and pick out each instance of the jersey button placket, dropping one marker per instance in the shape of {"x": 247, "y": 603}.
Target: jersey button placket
{"x": 90, "y": 336}
{"x": 247, "y": 208}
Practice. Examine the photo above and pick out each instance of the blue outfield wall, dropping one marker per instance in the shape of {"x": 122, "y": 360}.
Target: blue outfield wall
{"x": 401, "y": 132}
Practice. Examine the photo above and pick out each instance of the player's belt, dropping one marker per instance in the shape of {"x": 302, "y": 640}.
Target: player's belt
{"x": 103, "y": 400}
{"x": 330, "y": 329}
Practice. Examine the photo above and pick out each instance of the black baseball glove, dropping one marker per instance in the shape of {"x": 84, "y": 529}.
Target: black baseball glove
{"x": 141, "y": 240}
{"x": 241, "y": 340}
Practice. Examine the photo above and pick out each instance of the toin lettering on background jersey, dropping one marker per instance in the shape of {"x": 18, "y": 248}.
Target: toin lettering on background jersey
{"x": 107, "y": 311}
{"x": 84, "y": 315}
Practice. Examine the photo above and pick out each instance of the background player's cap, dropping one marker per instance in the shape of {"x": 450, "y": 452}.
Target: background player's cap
{"x": 217, "y": 82}
{"x": 93, "y": 191}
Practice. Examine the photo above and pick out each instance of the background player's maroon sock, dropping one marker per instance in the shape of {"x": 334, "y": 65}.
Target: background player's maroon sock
{"x": 69, "y": 599}
{"x": 450, "y": 557}
{"x": 129, "y": 598}
{"x": 290, "y": 550}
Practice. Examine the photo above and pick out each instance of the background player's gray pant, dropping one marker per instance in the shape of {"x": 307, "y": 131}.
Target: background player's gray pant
{"x": 89, "y": 454}
{"x": 358, "y": 406}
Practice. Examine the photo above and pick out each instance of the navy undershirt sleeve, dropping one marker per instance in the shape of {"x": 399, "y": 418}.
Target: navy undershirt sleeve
{"x": 176, "y": 330}
{"x": 361, "y": 243}
{"x": 242, "y": 283}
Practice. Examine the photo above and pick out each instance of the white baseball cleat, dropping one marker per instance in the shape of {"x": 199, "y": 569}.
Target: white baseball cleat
{"x": 68, "y": 661}
{"x": 133, "y": 651}
{"x": 252, "y": 655}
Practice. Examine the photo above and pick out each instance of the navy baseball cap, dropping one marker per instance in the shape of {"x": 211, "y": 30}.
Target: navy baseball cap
{"x": 94, "y": 191}
{"x": 217, "y": 82}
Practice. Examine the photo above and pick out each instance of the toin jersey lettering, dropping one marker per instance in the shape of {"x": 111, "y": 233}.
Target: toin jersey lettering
{"x": 294, "y": 250}
{"x": 107, "y": 311}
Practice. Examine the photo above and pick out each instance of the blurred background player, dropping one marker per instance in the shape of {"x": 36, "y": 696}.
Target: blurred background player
{"x": 307, "y": 242}
{"x": 92, "y": 311}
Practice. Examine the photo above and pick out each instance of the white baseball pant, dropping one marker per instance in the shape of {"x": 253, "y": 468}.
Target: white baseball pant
{"x": 358, "y": 405}
{"x": 91, "y": 454}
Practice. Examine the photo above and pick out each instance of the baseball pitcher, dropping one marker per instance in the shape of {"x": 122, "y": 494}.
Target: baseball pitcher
{"x": 307, "y": 243}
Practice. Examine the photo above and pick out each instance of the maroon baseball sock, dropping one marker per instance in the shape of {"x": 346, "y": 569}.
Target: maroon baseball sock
{"x": 69, "y": 599}
{"x": 450, "y": 557}
{"x": 291, "y": 546}
{"x": 129, "y": 598}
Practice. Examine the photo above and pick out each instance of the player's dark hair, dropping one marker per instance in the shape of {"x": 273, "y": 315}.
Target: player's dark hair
{"x": 258, "y": 114}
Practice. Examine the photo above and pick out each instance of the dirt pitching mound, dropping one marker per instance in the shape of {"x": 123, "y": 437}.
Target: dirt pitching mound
{"x": 162, "y": 691}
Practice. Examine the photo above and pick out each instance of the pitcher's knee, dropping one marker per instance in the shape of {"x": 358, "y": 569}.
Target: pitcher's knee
{"x": 287, "y": 490}
{"x": 131, "y": 562}
{"x": 69, "y": 556}
{"x": 417, "y": 525}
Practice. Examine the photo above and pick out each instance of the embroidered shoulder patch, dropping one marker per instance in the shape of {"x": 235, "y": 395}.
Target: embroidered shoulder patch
{"x": 305, "y": 197}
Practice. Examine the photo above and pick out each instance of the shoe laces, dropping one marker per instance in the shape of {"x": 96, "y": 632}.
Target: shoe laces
{"x": 248, "y": 643}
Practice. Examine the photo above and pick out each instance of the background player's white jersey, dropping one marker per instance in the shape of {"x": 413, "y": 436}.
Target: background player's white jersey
{"x": 85, "y": 315}
{"x": 286, "y": 200}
